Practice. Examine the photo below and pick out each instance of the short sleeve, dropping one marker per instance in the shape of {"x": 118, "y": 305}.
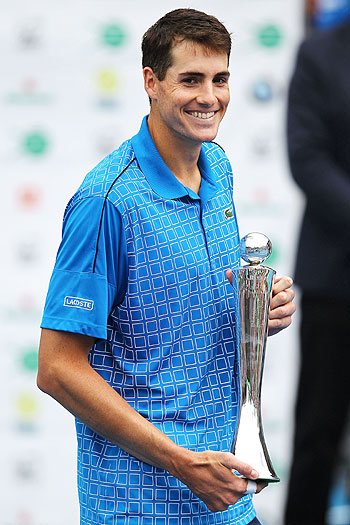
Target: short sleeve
{"x": 90, "y": 272}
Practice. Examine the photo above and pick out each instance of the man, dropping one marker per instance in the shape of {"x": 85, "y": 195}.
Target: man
{"x": 319, "y": 153}
{"x": 139, "y": 336}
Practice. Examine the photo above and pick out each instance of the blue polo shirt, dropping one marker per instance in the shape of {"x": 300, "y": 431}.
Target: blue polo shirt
{"x": 141, "y": 267}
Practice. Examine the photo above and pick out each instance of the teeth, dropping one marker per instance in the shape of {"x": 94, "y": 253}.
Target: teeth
{"x": 202, "y": 115}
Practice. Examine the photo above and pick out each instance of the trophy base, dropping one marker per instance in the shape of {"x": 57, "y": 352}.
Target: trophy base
{"x": 268, "y": 480}
{"x": 250, "y": 445}
{"x": 264, "y": 480}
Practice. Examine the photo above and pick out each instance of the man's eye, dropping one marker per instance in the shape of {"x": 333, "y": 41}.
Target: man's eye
{"x": 220, "y": 80}
{"x": 190, "y": 80}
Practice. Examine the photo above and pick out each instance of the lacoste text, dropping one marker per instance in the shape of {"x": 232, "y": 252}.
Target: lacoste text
{"x": 78, "y": 302}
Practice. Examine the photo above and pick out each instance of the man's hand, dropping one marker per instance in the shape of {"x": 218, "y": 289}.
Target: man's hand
{"x": 281, "y": 305}
{"x": 210, "y": 476}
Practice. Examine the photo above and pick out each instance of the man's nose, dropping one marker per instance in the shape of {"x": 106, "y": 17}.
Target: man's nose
{"x": 206, "y": 94}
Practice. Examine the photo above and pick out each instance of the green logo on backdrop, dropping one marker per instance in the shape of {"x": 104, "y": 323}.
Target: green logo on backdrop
{"x": 270, "y": 36}
{"x": 35, "y": 143}
{"x": 29, "y": 359}
{"x": 113, "y": 35}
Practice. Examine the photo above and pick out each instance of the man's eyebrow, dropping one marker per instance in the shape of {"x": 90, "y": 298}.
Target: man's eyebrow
{"x": 196, "y": 74}
{"x": 191, "y": 74}
{"x": 223, "y": 74}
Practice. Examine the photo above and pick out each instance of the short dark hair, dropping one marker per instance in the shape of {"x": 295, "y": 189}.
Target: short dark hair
{"x": 177, "y": 26}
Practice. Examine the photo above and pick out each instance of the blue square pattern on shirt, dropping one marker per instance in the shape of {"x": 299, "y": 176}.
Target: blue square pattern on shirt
{"x": 171, "y": 347}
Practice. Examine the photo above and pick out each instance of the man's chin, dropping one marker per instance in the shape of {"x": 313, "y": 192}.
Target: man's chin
{"x": 200, "y": 136}
{"x": 209, "y": 137}
{"x": 210, "y": 134}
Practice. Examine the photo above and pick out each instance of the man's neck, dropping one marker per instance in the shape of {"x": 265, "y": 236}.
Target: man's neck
{"x": 179, "y": 155}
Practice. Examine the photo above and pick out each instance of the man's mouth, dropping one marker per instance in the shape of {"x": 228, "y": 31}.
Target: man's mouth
{"x": 201, "y": 114}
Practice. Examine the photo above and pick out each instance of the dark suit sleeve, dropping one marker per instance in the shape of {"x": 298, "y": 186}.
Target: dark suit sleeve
{"x": 325, "y": 184}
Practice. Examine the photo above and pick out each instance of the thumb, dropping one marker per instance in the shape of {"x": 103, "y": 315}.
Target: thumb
{"x": 229, "y": 275}
{"x": 230, "y": 461}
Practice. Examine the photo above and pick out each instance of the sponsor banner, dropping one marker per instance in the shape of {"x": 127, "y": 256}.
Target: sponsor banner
{"x": 72, "y": 91}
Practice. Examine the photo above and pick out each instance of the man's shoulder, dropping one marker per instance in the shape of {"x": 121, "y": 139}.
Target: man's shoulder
{"x": 219, "y": 164}
{"x": 107, "y": 170}
{"x": 99, "y": 181}
{"x": 216, "y": 156}
{"x": 213, "y": 146}
{"x": 325, "y": 44}
{"x": 214, "y": 152}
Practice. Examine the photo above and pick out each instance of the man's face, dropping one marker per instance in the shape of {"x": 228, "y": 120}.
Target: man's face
{"x": 193, "y": 97}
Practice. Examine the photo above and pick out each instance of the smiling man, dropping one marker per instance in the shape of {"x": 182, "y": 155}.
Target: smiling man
{"x": 187, "y": 106}
{"x": 139, "y": 336}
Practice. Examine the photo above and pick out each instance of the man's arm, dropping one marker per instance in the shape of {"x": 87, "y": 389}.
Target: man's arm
{"x": 66, "y": 375}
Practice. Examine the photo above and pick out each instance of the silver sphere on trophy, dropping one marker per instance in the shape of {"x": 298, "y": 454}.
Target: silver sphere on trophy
{"x": 254, "y": 284}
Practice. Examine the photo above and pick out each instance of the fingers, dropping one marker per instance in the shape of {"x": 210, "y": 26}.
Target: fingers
{"x": 254, "y": 487}
{"x": 282, "y": 293}
{"x": 280, "y": 319}
{"x": 229, "y": 275}
{"x": 242, "y": 488}
{"x": 281, "y": 306}
{"x": 232, "y": 462}
{"x": 251, "y": 487}
{"x": 245, "y": 486}
{"x": 281, "y": 284}
{"x": 212, "y": 476}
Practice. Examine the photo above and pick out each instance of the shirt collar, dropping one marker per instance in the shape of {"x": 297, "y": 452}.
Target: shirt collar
{"x": 160, "y": 177}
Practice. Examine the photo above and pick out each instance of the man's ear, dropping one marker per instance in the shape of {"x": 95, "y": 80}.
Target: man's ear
{"x": 150, "y": 83}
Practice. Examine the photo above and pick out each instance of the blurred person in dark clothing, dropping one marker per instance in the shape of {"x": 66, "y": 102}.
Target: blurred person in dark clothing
{"x": 319, "y": 153}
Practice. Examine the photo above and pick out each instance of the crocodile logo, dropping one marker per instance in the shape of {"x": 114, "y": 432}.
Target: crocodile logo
{"x": 228, "y": 213}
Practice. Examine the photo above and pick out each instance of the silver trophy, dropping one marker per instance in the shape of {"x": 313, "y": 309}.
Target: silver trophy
{"x": 255, "y": 285}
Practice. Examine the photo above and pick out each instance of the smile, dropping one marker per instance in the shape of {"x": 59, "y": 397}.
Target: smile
{"x": 201, "y": 114}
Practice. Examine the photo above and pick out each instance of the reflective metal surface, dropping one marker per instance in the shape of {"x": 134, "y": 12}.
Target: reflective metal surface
{"x": 255, "y": 248}
{"x": 255, "y": 284}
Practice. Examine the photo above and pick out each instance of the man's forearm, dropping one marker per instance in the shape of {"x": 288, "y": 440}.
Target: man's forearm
{"x": 84, "y": 393}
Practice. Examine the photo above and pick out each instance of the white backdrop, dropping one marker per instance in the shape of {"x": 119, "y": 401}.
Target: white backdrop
{"x": 70, "y": 92}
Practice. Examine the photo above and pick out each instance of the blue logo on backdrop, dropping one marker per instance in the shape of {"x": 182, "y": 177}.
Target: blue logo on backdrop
{"x": 78, "y": 302}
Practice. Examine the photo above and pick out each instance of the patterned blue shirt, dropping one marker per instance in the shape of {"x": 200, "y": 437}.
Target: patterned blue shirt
{"x": 141, "y": 267}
